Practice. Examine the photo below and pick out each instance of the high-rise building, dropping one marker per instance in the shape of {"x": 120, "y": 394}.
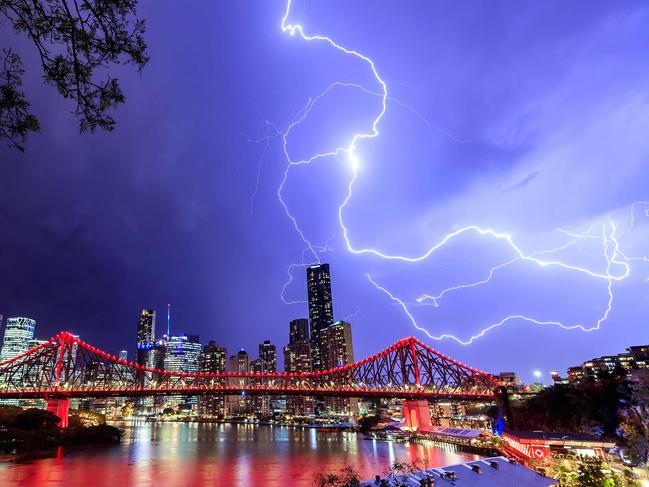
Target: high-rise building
{"x": 18, "y": 333}
{"x": 297, "y": 359}
{"x": 337, "y": 348}
{"x": 265, "y": 364}
{"x": 320, "y": 308}
{"x": 123, "y": 355}
{"x": 183, "y": 353}
{"x": 241, "y": 404}
{"x": 268, "y": 357}
{"x": 212, "y": 361}
{"x": 299, "y": 330}
{"x": 337, "y": 351}
{"x": 145, "y": 338}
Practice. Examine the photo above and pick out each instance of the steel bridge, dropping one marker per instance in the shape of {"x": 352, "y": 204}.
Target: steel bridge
{"x": 66, "y": 367}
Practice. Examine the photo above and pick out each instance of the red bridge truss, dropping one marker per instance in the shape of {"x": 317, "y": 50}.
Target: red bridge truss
{"x": 66, "y": 367}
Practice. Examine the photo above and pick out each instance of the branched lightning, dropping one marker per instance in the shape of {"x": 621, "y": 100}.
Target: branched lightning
{"x": 617, "y": 263}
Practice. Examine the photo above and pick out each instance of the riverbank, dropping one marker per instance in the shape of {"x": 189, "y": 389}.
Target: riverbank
{"x": 38, "y": 430}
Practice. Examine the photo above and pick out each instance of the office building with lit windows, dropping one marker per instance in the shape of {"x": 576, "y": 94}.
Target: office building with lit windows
{"x": 145, "y": 337}
{"x": 182, "y": 353}
{"x": 298, "y": 330}
{"x": 630, "y": 363}
{"x": 212, "y": 361}
{"x": 337, "y": 351}
{"x": 297, "y": 359}
{"x": 320, "y": 308}
{"x": 239, "y": 405}
{"x": 19, "y": 332}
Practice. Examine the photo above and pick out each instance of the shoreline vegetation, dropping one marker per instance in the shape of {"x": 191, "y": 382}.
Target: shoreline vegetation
{"x": 38, "y": 430}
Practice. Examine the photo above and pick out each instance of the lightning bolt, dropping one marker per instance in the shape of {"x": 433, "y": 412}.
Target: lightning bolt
{"x": 610, "y": 241}
{"x": 617, "y": 266}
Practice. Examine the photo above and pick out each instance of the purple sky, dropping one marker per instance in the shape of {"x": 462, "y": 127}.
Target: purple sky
{"x": 518, "y": 116}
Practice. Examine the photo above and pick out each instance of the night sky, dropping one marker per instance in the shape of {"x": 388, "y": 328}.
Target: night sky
{"x": 524, "y": 117}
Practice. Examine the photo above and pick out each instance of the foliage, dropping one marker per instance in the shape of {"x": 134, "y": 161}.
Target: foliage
{"x": 591, "y": 407}
{"x": 34, "y": 419}
{"x": 635, "y": 420}
{"x": 8, "y": 414}
{"x": 588, "y": 472}
{"x": 15, "y": 119}
{"x": 86, "y": 418}
{"x": 403, "y": 468}
{"x": 75, "y": 40}
{"x": 346, "y": 478}
{"x": 168, "y": 411}
{"x": 37, "y": 429}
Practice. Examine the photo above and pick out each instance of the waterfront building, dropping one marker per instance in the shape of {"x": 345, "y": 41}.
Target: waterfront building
{"x": 18, "y": 333}
{"x": 181, "y": 354}
{"x": 337, "y": 351}
{"x": 486, "y": 472}
{"x": 297, "y": 359}
{"x": 212, "y": 361}
{"x": 265, "y": 364}
{"x": 239, "y": 405}
{"x": 320, "y": 308}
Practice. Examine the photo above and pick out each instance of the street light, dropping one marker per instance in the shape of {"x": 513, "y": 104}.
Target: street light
{"x": 537, "y": 374}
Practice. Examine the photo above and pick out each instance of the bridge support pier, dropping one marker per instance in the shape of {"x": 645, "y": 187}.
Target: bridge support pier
{"x": 61, "y": 408}
{"x": 416, "y": 414}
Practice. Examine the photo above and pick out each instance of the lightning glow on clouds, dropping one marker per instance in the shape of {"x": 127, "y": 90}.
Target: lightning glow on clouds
{"x": 616, "y": 269}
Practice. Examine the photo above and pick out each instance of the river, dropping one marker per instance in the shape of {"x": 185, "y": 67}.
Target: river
{"x": 193, "y": 454}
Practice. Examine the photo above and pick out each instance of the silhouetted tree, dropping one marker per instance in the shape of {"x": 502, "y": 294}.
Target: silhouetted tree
{"x": 74, "y": 39}
{"x": 34, "y": 419}
{"x": 591, "y": 407}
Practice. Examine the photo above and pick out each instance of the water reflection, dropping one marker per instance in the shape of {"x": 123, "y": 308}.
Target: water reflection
{"x": 219, "y": 454}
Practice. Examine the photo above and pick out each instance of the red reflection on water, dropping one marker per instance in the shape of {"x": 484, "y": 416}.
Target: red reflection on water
{"x": 187, "y": 455}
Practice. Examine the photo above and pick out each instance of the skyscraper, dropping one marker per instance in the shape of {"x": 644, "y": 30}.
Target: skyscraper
{"x": 297, "y": 359}
{"x": 268, "y": 357}
{"x": 336, "y": 345}
{"x": 320, "y": 308}
{"x": 337, "y": 351}
{"x": 18, "y": 333}
{"x": 265, "y": 364}
{"x": 145, "y": 338}
{"x": 183, "y": 353}
{"x": 212, "y": 361}
{"x": 299, "y": 330}
{"x": 239, "y": 405}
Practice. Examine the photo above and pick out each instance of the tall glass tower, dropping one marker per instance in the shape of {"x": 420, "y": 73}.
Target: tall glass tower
{"x": 18, "y": 333}
{"x": 321, "y": 313}
{"x": 145, "y": 339}
{"x": 299, "y": 330}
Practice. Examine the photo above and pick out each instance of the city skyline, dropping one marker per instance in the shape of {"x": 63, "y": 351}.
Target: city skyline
{"x": 298, "y": 242}
{"x": 197, "y": 223}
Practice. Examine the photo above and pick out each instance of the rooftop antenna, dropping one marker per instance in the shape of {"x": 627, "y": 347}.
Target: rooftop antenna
{"x": 168, "y": 321}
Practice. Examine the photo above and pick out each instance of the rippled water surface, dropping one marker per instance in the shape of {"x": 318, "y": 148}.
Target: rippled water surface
{"x": 170, "y": 454}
